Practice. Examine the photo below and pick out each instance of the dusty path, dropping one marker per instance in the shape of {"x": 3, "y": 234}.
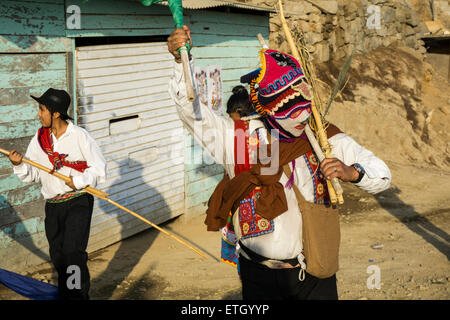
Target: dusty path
{"x": 410, "y": 222}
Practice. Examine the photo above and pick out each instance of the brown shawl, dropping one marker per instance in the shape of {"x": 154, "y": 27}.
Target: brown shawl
{"x": 272, "y": 202}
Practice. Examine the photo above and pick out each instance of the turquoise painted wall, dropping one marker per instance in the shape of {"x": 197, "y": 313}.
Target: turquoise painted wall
{"x": 33, "y": 51}
{"x": 35, "y": 48}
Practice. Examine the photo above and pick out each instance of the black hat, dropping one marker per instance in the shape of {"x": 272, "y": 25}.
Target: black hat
{"x": 56, "y": 101}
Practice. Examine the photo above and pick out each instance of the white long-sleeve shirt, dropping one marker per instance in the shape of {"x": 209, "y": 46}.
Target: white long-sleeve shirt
{"x": 216, "y": 135}
{"x": 80, "y": 146}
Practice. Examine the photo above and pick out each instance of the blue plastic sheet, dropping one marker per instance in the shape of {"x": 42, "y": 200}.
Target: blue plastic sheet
{"x": 28, "y": 287}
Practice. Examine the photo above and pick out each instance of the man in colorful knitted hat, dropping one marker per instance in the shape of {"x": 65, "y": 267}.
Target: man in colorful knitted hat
{"x": 258, "y": 214}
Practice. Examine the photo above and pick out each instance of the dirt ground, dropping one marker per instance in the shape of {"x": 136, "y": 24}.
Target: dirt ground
{"x": 404, "y": 231}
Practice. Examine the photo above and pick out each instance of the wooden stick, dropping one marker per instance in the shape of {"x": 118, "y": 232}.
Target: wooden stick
{"x": 262, "y": 41}
{"x": 334, "y": 188}
{"x": 312, "y": 139}
{"x": 102, "y": 195}
{"x": 326, "y": 146}
{"x": 288, "y": 34}
{"x": 153, "y": 225}
{"x": 334, "y": 195}
{"x": 187, "y": 74}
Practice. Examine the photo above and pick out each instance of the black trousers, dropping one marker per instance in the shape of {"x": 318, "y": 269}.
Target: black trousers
{"x": 262, "y": 283}
{"x": 67, "y": 227}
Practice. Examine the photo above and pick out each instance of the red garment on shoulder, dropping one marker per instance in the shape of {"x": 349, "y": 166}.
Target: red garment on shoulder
{"x": 58, "y": 160}
{"x": 251, "y": 224}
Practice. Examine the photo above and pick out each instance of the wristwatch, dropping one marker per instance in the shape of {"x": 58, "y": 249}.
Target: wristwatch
{"x": 360, "y": 170}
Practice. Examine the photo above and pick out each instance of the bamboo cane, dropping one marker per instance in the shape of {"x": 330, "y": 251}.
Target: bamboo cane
{"x": 102, "y": 195}
{"x": 288, "y": 34}
{"x": 335, "y": 195}
{"x": 262, "y": 42}
{"x": 187, "y": 74}
{"x": 321, "y": 156}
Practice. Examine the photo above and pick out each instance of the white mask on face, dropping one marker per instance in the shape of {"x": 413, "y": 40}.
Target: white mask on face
{"x": 294, "y": 119}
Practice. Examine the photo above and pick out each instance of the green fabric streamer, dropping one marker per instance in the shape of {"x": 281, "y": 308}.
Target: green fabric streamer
{"x": 175, "y": 7}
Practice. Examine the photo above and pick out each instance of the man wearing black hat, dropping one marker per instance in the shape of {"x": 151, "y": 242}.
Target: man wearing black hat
{"x": 71, "y": 151}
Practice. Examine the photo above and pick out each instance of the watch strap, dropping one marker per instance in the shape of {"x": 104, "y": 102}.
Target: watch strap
{"x": 360, "y": 170}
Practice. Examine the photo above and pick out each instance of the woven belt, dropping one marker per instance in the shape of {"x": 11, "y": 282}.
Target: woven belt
{"x": 65, "y": 197}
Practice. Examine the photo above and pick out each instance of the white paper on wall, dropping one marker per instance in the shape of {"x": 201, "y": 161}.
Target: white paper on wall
{"x": 201, "y": 84}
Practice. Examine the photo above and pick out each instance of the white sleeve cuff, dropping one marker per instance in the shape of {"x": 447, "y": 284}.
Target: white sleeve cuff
{"x": 20, "y": 169}
{"x": 374, "y": 182}
{"x": 364, "y": 180}
{"x": 79, "y": 182}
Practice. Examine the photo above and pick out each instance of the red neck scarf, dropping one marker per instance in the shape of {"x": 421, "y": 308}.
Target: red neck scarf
{"x": 58, "y": 160}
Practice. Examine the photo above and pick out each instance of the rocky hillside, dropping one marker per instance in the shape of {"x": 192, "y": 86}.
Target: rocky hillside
{"x": 335, "y": 28}
{"x": 395, "y": 104}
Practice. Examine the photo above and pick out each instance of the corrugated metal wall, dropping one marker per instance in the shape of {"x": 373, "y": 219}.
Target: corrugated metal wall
{"x": 36, "y": 30}
{"x": 228, "y": 40}
{"x": 33, "y": 57}
{"x": 123, "y": 101}
{"x": 225, "y": 39}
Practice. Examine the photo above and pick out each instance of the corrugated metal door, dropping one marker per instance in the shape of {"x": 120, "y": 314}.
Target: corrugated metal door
{"x": 124, "y": 103}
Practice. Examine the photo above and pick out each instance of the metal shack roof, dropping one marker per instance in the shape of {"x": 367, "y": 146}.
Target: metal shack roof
{"x": 204, "y": 4}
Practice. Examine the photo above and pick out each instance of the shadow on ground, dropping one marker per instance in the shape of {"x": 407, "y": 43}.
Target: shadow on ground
{"x": 356, "y": 200}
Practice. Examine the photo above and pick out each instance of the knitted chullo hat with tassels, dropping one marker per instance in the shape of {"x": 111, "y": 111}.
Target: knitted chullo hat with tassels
{"x": 278, "y": 85}
{"x": 279, "y": 80}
